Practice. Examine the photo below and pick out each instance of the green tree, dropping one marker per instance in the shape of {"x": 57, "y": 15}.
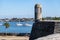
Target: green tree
{"x": 6, "y": 24}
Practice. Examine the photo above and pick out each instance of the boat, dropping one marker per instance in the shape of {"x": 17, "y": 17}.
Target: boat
{"x": 27, "y": 24}
{"x": 19, "y": 24}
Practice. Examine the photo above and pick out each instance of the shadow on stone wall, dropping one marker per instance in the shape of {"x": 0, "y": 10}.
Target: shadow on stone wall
{"x": 41, "y": 29}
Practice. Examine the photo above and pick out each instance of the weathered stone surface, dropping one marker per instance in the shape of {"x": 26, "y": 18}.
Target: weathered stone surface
{"x": 50, "y": 37}
{"x": 41, "y": 29}
{"x": 57, "y": 27}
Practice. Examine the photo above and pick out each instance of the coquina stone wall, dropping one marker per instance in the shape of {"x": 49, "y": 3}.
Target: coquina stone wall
{"x": 44, "y": 28}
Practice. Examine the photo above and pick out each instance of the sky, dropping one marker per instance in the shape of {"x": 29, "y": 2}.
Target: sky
{"x": 25, "y": 8}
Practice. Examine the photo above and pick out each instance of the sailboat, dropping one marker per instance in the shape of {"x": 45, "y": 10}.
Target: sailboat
{"x": 28, "y": 24}
{"x": 19, "y": 24}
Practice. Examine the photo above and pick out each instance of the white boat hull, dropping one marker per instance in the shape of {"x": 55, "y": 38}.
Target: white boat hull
{"x": 19, "y": 24}
{"x": 28, "y": 25}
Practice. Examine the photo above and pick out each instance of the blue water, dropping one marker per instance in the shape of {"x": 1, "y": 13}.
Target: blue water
{"x": 16, "y": 29}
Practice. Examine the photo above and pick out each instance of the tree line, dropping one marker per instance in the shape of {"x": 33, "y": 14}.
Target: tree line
{"x": 51, "y": 18}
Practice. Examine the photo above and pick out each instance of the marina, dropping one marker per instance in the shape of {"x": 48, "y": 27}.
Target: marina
{"x": 23, "y": 27}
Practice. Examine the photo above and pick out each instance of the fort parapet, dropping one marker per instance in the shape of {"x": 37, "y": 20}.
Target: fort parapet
{"x": 44, "y": 28}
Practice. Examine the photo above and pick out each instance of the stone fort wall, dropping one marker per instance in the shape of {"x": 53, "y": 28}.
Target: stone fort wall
{"x": 44, "y": 28}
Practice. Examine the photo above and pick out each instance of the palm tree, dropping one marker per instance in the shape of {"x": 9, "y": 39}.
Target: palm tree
{"x": 6, "y": 24}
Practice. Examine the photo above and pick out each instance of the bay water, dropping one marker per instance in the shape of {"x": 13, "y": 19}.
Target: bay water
{"x": 13, "y": 28}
